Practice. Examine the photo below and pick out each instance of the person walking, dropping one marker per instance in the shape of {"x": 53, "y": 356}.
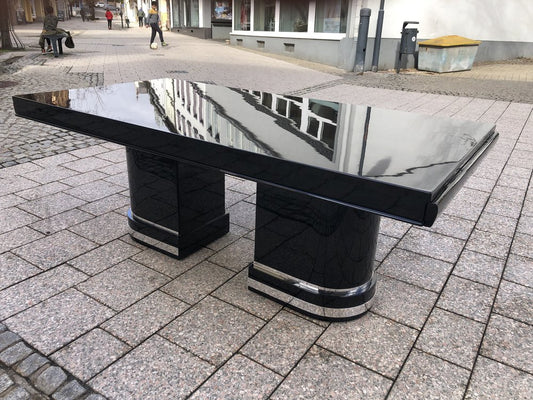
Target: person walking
{"x": 83, "y": 14}
{"x": 154, "y": 21}
{"x": 140, "y": 15}
{"x": 109, "y": 17}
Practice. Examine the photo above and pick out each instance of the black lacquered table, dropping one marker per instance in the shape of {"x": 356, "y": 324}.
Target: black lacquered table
{"x": 325, "y": 173}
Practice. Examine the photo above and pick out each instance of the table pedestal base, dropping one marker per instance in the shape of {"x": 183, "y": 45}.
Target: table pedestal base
{"x": 313, "y": 255}
{"x": 176, "y": 208}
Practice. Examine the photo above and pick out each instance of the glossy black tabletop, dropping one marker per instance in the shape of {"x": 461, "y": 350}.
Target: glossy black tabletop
{"x": 393, "y": 163}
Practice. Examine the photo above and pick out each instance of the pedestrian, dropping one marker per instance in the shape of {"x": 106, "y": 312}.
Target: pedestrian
{"x": 109, "y": 17}
{"x": 83, "y": 14}
{"x": 140, "y": 15}
{"x": 49, "y": 28}
{"x": 154, "y": 21}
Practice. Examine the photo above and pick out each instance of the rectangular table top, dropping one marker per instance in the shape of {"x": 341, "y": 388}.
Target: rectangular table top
{"x": 397, "y": 164}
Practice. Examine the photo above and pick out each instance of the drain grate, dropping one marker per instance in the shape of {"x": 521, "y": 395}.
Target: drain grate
{"x": 4, "y": 84}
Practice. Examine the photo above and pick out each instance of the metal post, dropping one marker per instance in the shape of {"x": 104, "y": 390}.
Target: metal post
{"x": 362, "y": 36}
{"x": 377, "y": 41}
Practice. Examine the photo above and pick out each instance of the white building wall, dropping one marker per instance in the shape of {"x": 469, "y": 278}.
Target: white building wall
{"x": 493, "y": 20}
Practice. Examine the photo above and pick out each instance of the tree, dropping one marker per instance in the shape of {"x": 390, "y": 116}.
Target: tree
{"x": 5, "y": 25}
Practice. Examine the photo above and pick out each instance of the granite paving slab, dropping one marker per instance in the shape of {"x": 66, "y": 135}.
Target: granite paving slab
{"x": 53, "y": 323}
{"x": 155, "y": 370}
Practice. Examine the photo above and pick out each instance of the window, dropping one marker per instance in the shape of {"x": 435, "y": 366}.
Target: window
{"x": 264, "y": 15}
{"x": 242, "y": 15}
{"x": 221, "y": 11}
{"x": 330, "y": 16}
{"x": 293, "y": 16}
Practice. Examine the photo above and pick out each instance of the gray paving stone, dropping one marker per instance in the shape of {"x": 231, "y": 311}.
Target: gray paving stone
{"x": 36, "y": 289}
{"x": 71, "y": 391}
{"x": 104, "y": 257}
{"x": 5, "y": 382}
{"x": 142, "y": 319}
{"x": 95, "y": 190}
{"x": 8, "y": 338}
{"x": 123, "y": 284}
{"x": 416, "y": 269}
{"x": 61, "y": 221}
{"x": 236, "y": 292}
{"x": 515, "y": 301}
{"x": 208, "y": 330}
{"x": 470, "y": 299}
{"x": 13, "y": 269}
{"x": 87, "y": 164}
{"x": 428, "y": 377}
{"x": 431, "y": 244}
{"x": 522, "y": 245}
{"x": 31, "y": 364}
{"x": 282, "y": 342}
{"x": 322, "y": 374}
{"x": 198, "y": 282}
{"x": 18, "y": 237}
{"x": 151, "y": 371}
{"x": 15, "y": 353}
{"x": 384, "y": 246}
{"x": 495, "y": 223}
{"x": 451, "y": 337}
{"x": 242, "y": 214}
{"x": 103, "y": 228}
{"x": 13, "y": 218}
{"x": 48, "y": 206}
{"x": 169, "y": 265}
{"x": 42, "y": 191}
{"x": 18, "y": 393}
{"x": 90, "y": 354}
{"x": 518, "y": 269}
{"x": 489, "y": 243}
{"x": 450, "y": 225}
{"x": 239, "y": 377}
{"x": 504, "y": 208}
{"x": 236, "y": 256}
{"x": 404, "y": 303}
{"x": 49, "y": 379}
{"x": 63, "y": 318}
{"x": 372, "y": 341}
{"x": 235, "y": 232}
{"x": 391, "y": 227}
{"x": 54, "y": 250}
{"x": 479, "y": 267}
{"x": 495, "y": 381}
{"x": 106, "y": 204}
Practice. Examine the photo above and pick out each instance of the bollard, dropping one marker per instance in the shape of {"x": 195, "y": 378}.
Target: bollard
{"x": 362, "y": 36}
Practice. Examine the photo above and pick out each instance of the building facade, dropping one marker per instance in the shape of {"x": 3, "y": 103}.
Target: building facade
{"x": 326, "y": 31}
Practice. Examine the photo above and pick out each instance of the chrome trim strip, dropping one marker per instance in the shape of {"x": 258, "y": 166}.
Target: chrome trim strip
{"x": 134, "y": 217}
{"x": 155, "y": 243}
{"x": 324, "y": 312}
{"x": 312, "y": 288}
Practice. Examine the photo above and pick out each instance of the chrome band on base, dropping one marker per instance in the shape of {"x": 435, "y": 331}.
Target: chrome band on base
{"x": 154, "y": 243}
{"x": 325, "y": 312}
{"x": 150, "y": 241}
{"x": 314, "y": 309}
{"x": 312, "y": 288}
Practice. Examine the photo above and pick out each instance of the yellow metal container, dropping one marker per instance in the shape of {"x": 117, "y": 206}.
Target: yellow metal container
{"x": 447, "y": 54}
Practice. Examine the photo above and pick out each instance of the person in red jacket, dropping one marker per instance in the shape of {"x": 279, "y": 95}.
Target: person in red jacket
{"x": 109, "y": 17}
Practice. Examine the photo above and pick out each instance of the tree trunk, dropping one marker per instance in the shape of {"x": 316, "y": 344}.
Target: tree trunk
{"x": 5, "y": 24}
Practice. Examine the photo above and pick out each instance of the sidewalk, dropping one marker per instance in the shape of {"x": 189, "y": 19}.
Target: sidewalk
{"x": 108, "y": 317}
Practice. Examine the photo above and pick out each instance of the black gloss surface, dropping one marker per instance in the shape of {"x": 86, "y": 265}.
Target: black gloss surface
{"x": 397, "y": 164}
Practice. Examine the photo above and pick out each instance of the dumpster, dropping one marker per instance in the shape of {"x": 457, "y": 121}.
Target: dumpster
{"x": 447, "y": 54}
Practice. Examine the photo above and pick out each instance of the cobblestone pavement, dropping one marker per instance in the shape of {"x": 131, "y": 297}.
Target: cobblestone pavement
{"x": 454, "y": 309}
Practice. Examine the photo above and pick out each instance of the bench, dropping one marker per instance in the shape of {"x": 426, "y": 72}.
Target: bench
{"x": 326, "y": 172}
{"x": 56, "y": 40}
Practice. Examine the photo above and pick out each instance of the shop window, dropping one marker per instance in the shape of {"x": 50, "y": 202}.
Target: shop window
{"x": 293, "y": 16}
{"x": 330, "y": 16}
{"x": 221, "y": 11}
{"x": 264, "y": 15}
{"x": 242, "y": 15}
